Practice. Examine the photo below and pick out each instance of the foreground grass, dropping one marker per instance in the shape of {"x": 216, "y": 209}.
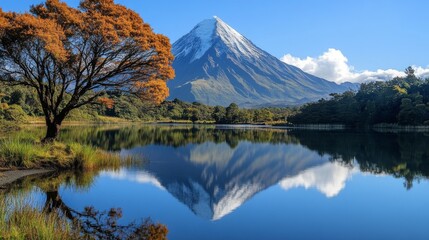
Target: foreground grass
{"x": 19, "y": 220}
{"x": 7, "y": 126}
{"x": 22, "y": 152}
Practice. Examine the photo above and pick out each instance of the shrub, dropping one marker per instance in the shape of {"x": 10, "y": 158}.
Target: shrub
{"x": 14, "y": 113}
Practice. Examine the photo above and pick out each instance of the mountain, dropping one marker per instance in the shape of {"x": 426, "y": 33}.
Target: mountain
{"x": 216, "y": 65}
{"x": 214, "y": 179}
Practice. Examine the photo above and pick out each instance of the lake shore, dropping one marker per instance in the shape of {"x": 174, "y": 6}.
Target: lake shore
{"x": 10, "y": 176}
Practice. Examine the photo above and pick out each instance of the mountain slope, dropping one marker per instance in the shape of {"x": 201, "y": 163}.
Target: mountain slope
{"x": 216, "y": 65}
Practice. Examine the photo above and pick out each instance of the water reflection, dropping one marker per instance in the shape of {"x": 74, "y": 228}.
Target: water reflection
{"x": 402, "y": 155}
{"x": 215, "y": 170}
{"x": 89, "y": 222}
{"x": 329, "y": 178}
{"x": 214, "y": 178}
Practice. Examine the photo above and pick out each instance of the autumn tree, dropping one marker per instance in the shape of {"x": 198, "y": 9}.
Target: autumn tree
{"x": 72, "y": 56}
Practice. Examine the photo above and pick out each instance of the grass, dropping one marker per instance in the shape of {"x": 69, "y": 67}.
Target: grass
{"x": 90, "y": 158}
{"x": 8, "y": 126}
{"x": 26, "y": 152}
{"x": 20, "y": 220}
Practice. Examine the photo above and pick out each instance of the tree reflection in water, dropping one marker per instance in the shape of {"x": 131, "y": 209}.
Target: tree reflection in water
{"x": 402, "y": 155}
{"x": 91, "y": 223}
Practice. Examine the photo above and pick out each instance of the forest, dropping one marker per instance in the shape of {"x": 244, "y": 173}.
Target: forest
{"x": 402, "y": 101}
{"x": 20, "y": 104}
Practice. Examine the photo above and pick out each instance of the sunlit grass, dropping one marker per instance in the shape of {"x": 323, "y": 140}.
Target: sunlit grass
{"x": 19, "y": 219}
{"x": 90, "y": 158}
{"x": 25, "y": 151}
{"x": 17, "y": 152}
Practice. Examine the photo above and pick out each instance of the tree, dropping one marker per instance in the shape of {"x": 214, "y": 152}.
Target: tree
{"x": 410, "y": 71}
{"x": 232, "y": 113}
{"x": 218, "y": 114}
{"x": 72, "y": 56}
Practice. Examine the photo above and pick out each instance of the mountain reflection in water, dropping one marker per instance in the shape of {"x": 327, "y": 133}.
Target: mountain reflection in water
{"x": 214, "y": 179}
{"x": 214, "y": 170}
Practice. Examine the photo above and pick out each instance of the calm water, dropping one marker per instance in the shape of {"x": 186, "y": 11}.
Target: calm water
{"x": 220, "y": 183}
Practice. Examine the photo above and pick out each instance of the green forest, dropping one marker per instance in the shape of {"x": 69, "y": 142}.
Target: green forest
{"x": 402, "y": 100}
{"x": 20, "y": 104}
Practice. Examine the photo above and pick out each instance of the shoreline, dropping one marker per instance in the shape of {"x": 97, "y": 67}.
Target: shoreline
{"x": 314, "y": 126}
{"x": 325, "y": 127}
{"x": 10, "y": 176}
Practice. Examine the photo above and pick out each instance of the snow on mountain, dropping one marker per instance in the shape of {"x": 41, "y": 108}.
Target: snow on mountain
{"x": 199, "y": 40}
{"x": 216, "y": 65}
{"x": 206, "y": 33}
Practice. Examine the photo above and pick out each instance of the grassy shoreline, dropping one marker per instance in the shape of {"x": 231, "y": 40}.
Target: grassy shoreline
{"x": 22, "y": 153}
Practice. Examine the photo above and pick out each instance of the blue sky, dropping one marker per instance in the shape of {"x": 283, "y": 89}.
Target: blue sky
{"x": 371, "y": 34}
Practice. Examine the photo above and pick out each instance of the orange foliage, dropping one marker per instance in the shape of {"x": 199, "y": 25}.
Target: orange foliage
{"x": 21, "y": 27}
{"x": 106, "y": 102}
{"x": 63, "y": 31}
{"x": 154, "y": 90}
{"x": 3, "y": 21}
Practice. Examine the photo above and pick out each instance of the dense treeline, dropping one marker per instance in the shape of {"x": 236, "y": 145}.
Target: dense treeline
{"x": 402, "y": 100}
{"x": 179, "y": 110}
{"x": 18, "y": 102}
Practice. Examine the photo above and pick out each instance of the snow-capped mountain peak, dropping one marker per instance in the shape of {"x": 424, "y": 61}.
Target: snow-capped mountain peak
{"x": 209, "y": 33}
{"x": 235, "y": 41}
{"x": 198, "y": 41}
{"x": 216, "y": 65}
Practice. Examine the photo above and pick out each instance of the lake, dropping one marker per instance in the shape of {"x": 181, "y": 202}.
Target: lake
{"x": 221, "y": 182}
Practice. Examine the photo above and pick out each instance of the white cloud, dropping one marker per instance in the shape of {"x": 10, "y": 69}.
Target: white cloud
{"x": 332, "y": 65}
{"x": 329, "y": 179}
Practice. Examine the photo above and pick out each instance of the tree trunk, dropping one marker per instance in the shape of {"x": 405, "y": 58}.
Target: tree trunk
{"x": 52, "y": 131}
{"x": 54, "y": 203}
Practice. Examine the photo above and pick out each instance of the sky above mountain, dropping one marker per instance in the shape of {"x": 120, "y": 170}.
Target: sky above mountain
{"x": 334, "y": 39}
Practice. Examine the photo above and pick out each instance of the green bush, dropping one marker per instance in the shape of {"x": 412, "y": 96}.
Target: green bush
{"x": 13, "y": 113}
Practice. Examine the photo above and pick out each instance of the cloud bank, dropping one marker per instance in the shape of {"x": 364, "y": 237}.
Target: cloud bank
{"x": 332, "y": 65}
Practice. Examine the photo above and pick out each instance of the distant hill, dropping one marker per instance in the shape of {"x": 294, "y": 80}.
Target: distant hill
{"x": 216, "y": 65}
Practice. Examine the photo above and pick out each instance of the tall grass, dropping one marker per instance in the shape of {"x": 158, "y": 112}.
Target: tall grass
{"x": 20, "y": 220}
{"x": 90, "y": 158}
{"x": 26, "y": 152}
{"x": 17, "y": 152}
